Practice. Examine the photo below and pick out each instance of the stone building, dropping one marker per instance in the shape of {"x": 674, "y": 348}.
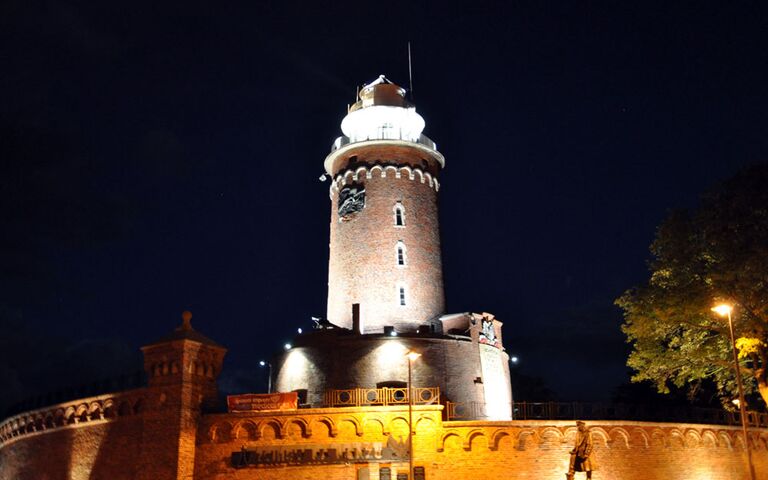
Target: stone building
{"x": 358, "y": 419}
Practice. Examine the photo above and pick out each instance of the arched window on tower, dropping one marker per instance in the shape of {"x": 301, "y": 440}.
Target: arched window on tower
{"x": 399, "y": 215}
{"x": 400, "y": 253}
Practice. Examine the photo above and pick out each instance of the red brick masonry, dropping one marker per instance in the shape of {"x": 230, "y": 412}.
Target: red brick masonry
{"x": 107, "y": 439}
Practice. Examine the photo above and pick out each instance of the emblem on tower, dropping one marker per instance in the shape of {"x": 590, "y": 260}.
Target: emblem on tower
{"x": 351, "y": 200}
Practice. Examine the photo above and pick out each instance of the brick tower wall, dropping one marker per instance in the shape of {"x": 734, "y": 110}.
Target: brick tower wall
{"x": 96, "y": 448}
{"x": 327, "y": 362}
{"x": 363, "y": 266}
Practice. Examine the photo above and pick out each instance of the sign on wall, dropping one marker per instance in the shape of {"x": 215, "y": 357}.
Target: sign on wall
{"x": 358, "y": 452}
{"x": 255, "y": 402}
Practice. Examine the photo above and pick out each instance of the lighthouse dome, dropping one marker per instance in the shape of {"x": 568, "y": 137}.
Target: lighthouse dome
{"x": 382, "y": 113}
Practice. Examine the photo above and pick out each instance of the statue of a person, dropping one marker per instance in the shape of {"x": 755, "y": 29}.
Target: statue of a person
{"x": 486, "y": 330}
{"x": 581, "y": 460}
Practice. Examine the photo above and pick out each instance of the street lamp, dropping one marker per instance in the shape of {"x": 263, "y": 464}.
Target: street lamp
{"x": 513, "y": 363}
{"x": 725, "y": 310}
{"x": 412, "y": 356}
{"x": 269, "y": 379}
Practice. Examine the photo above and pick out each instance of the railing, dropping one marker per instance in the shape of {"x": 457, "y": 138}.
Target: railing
{"x": 107, "y": 407}
{"x": 601, "y": 411}
{"x": 103, "y": 386}
{"x": 422, "y": 140}
{"x": 356, "y": 397}
{"x": 465, "y": 410}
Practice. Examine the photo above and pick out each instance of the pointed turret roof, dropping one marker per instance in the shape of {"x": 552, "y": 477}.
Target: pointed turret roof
{"x": 186, "y": 332}
{"x": 381, "y": 80}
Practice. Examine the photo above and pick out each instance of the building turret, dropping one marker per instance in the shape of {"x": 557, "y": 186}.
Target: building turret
{"x": 385, "y": 240}
{"x": 182, "y": 368}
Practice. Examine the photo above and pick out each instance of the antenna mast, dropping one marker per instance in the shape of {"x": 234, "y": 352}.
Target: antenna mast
{"x": 410, "y": 71}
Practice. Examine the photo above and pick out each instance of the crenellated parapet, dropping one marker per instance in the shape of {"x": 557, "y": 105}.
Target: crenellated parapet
{"x": 461, "y": 449}
{"x": 317, "y": 424}
{"x": 97, "y": 429}
{"x": 73, "y": 414}
{"x": 350, "y": 176}
{"x": 324, "y": 425}
{"x": 610, "y": 435}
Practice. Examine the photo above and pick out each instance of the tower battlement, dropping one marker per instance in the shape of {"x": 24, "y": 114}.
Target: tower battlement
{"x": 382, "y": 171}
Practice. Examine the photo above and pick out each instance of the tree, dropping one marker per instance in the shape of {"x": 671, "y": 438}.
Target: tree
{"x": 717, "y": 252}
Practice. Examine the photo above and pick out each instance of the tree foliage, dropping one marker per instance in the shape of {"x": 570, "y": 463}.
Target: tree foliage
{"x": 715, "y": 253}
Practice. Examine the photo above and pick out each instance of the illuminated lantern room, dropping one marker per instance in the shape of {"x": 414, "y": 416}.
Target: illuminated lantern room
{"x": 382, "y": 113}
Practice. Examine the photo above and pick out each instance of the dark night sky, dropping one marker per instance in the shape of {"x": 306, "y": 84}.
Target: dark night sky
{"x": 158, "y": 157}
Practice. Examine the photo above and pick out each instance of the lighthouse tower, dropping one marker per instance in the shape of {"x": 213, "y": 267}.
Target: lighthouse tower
{"x": 385, "y": 239}
{"x": 385, "y": 280}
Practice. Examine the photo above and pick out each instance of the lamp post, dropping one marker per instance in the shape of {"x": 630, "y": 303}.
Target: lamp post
{"x": 269, "y": 379}
{"x": 725, "y": 310}
{"x": 512, "y": 362}
{"x": 412, "y": 356}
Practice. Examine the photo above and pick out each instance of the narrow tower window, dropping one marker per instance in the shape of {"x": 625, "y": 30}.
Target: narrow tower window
{"x": 399, "y": 215}
{"x": 400, "y": 253}
{"x": 402, "y": 296}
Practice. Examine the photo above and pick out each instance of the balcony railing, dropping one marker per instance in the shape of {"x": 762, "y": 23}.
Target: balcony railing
{"x": 357, "y": 397}
{"x": 128, "y": 381}
{"x": 422, "y": 140}
{"x": 601, "y": 411}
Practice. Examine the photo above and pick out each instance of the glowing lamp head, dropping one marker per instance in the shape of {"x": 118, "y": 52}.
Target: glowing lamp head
{"x": 514, "y": 359}
{"x": 723, "y": 309}
{"x": 412, "y": 356}
{"x": 287, "y": 346}
{"x": 262, "y": 363}
{"x": 382, "y": 113}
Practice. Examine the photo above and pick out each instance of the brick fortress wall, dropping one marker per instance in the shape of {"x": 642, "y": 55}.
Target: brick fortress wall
{"x": 143, "y": 434}
{"x": 97, "y": 437}
{"x": 114, "y": 447}
{"x": 363, "y": 260}
{"x": 475, "y": 450}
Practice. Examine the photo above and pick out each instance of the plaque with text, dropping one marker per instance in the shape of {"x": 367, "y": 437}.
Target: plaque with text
{"x": 290, "y": 455}
{"x": 256, "y": 402}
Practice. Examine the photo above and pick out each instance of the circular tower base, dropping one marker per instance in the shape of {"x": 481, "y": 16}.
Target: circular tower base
{"x": 336, "y": 367}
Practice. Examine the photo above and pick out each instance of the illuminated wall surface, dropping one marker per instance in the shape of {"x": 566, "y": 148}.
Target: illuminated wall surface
{"x": 326, "y": 361}
{"x": 365, "y": 442}
{"x": 496, "y": 387}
